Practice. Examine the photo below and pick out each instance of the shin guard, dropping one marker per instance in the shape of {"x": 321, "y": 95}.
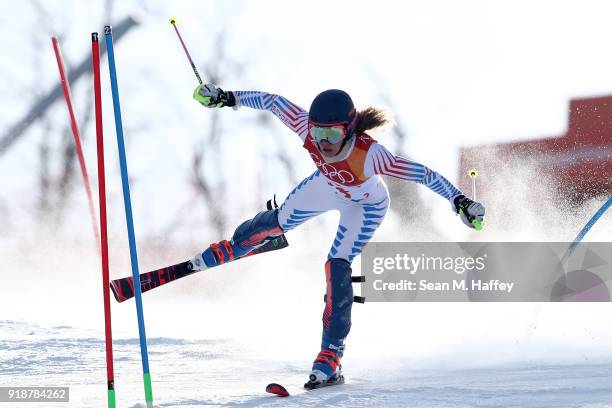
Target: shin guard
{"x": 338, "y": 304}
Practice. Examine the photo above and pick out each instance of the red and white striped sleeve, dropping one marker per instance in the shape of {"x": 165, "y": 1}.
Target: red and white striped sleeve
{"x": 294, "y": 117}
{"x": 380, "y": 161}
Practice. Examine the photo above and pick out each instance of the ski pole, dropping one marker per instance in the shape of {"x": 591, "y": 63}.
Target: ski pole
{"x": 473, "y": 173}
{"x": 478, "y": 224}
{"x": 195, "y": 70}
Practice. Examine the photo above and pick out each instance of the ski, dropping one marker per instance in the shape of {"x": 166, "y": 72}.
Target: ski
{"x": 277, "y": 389}
{"x": 281, "y": 391}
{"x": 337, "y": 380}
{"x": 123, "y": 288}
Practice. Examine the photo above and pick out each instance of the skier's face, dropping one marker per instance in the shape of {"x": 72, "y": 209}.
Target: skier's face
{"x": 328, "y": 138}
{"x": 329, "y": 149}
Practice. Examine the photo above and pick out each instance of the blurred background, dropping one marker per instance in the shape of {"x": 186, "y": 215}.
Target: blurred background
{"x": 520, "y": 90}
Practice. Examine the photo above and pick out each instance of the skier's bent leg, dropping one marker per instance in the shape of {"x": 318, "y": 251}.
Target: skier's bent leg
{"x": 256, "y": 232}
{"x": 336, "y": 316}
{"x": 249, "y": 235}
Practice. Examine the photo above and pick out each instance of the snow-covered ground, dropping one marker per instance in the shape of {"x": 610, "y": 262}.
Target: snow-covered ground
{"x": 217, "y": 338}
{"x": 217, "y": 372}
{"x": 210, "y": 372}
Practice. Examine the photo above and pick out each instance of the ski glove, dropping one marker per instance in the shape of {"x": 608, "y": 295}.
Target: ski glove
{"x": 471, "y": 212}
{"x": 213, "y": 97}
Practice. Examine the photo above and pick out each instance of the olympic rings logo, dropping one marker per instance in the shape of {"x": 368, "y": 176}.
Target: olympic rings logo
{"x": 339, "y": 176}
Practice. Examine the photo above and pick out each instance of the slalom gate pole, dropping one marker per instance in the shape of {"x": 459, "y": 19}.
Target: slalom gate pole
{"x": 570, "y": 250}
{"x": 110, "y": 375}
{"x": 77, "y": 137}
{"x": 195, "y": 70}
{"x": 586, "y": 229}
{"x": 128, "y": 215}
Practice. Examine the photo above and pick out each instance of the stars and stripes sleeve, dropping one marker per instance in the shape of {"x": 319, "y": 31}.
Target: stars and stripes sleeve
{"x": 294, "y": 117}
{"x": 380, "y": 161}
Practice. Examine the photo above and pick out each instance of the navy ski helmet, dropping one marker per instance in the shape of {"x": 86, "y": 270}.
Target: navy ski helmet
{"x": 333, "y": 107}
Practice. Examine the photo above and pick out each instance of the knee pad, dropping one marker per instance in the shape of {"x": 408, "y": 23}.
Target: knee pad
{"x": 257, "y": 230}
{"x": 339, "y": 300}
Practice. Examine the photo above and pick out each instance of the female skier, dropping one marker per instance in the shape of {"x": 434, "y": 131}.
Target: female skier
{"x": 349, "y": 165}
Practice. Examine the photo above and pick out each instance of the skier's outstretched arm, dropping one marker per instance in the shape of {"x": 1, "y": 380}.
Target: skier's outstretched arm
{"x": 381, "y": 161}
{"x": 294, "y": 117}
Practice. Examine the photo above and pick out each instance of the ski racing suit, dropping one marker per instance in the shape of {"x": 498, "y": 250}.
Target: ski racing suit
{"x": 351, "y": 185}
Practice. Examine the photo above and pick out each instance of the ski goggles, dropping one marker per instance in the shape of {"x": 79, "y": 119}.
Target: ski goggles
{"x": 330, "y": 134}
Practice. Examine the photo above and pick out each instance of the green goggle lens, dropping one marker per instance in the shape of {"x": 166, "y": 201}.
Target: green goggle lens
{"x": 332, "y": 135}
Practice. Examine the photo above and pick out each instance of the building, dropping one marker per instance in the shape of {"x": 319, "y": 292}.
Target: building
{"x": 578, "y": 163}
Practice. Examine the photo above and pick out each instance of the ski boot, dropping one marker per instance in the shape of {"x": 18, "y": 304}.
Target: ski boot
{"x": 326, "y": 370}
{"x": 216, "y": 254}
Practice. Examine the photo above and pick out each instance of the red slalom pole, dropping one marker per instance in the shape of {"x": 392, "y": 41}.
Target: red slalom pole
{"x": 77, "y": 137}
{"x": 95, "y": 50}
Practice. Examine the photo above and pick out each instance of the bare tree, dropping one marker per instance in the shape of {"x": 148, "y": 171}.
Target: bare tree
{"x": 208, "y": 148}
{"x": 56, "y": 149}
{"x": 264, "y": 119}
{"x": 45, "y": 101}
{"x": 44, "y": 177}
{"x": 6, "y": 225}
{"x": 410, "y": 206}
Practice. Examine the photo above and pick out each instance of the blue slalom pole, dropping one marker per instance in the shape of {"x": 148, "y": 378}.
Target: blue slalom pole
{"x": 128, "y": 215}
{"x": 586, "y": 228}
